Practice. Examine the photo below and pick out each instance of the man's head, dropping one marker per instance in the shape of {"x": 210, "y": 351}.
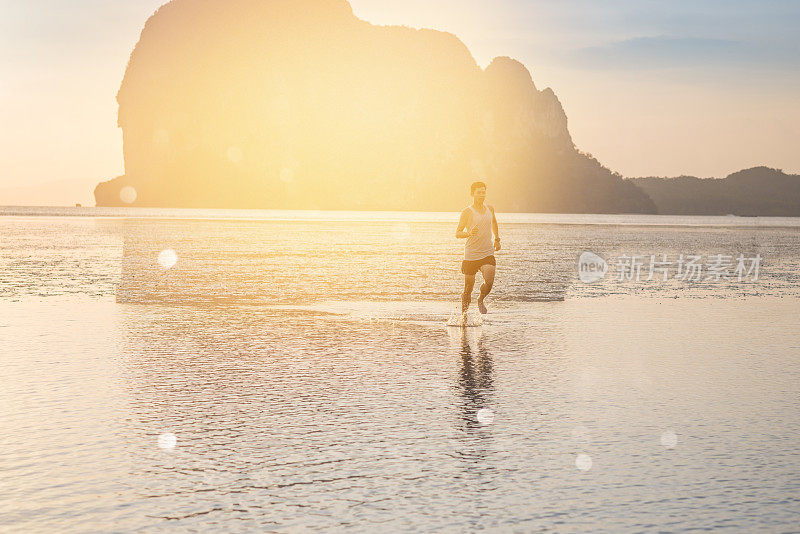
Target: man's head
{"x": 478, "y": 191}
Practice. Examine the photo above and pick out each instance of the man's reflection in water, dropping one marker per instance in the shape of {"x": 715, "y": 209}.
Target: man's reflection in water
{"x": 476, "y": 376}
{"x": 476, "y": 389}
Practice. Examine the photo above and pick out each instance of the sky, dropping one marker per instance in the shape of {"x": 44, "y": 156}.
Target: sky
{"x": 651, "y": 88}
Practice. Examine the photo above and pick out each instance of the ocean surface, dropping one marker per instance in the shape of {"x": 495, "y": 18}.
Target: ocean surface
{"x": 243, "y": 370}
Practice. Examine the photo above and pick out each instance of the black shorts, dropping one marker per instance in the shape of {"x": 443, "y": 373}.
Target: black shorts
{"x": 470, "y": 267}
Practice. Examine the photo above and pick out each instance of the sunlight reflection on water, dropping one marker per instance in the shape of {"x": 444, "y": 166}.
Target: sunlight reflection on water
{"x": 297, "y": 376}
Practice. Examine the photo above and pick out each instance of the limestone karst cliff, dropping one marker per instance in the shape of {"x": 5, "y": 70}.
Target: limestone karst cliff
{"x": 300, "y": 104}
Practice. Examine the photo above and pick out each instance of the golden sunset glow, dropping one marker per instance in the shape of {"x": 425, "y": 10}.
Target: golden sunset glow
{"x": 711, "y": 115}
{"x": 399, "y": 266}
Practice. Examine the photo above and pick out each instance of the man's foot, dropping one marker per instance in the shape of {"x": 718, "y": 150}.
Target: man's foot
{"x": 482, "y": 307}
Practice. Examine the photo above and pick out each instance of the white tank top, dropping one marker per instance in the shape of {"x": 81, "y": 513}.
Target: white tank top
{"x": 480, "y": 245}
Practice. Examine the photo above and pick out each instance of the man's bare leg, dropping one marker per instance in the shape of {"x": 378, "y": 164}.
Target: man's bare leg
{"x": 466, "y": 296}
{"x": 488, "y": 281}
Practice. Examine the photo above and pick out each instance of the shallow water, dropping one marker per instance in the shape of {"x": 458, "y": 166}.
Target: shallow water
{"x": 304, "y": 373}
{"x": 290, "y": 260}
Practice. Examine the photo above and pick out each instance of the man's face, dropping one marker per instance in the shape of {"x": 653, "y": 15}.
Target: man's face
{"x": 479, "y": 194}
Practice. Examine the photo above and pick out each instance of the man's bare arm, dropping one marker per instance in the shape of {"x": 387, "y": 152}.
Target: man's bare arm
{"x": 462, "y": 225}
{"x": 496, "y": 230}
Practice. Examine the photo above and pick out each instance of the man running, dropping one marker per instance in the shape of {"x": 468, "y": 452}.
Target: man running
{"x": 478, "y": 250}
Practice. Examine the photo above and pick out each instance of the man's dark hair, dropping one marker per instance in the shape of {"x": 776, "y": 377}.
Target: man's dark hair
{"x": 475, "y": 186}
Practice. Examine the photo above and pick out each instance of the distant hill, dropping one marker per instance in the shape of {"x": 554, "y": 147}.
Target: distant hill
{"x": 300, "y": 104}
{"x": 758, "y": 191}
